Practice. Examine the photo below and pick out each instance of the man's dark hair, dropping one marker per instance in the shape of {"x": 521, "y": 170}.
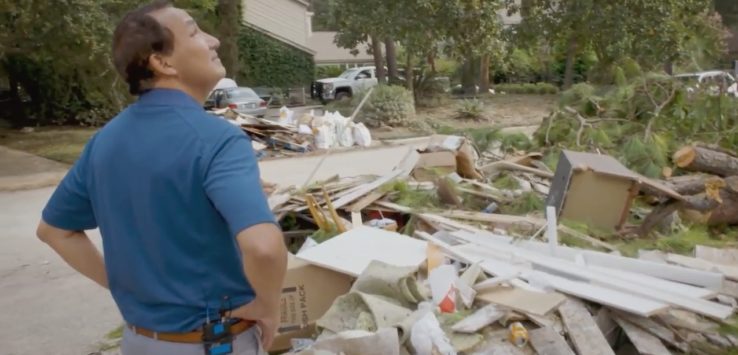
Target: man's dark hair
{"x": 137, "y": 36}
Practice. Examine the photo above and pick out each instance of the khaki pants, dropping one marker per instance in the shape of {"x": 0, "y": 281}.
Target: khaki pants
{"x": 246, "y": 343}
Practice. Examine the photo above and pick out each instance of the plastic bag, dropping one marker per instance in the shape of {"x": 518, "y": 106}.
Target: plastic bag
{"x": 362, "y": 136}
{"x": 426, "y": 334}
{"x": 286, "y": 116}
{"x": 325, "y": 138}
{"x": 344, "y": 132}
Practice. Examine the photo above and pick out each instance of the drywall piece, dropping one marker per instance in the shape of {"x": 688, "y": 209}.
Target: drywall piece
{"x": 583, "y": 331}
{"x": 605, "y": 296}
{"x": 558, "y": 266}
{"x": 547, "y": 341}
{"x": 660, "y": 331}
{"x": 644, "y": 342}
{"x": 351, "y": 252}
{"x": 479, "y": 319}
{"x": 538, "y": 303}
{"x": 659, "y": 284}
{"x": 725, "y": 256}
{"x": 730, "y": 272}
{"x": 711, "y": 280}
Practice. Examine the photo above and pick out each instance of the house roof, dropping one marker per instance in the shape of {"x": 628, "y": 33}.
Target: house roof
{"x": 327, "y": 52}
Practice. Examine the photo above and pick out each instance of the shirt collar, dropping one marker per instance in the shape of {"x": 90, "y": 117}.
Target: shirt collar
{"x": 167, "y": 97}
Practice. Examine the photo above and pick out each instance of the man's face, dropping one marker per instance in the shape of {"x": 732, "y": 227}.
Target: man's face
{"x": 195, "y": 55}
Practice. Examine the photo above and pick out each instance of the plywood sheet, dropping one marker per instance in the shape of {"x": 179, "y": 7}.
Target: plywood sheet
{"x": 351, "y": 252}
{"x": 644, "y": 342}
{"x": 538, "y": 303}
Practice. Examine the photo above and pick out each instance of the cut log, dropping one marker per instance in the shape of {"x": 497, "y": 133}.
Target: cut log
{"x": 690, "y": 184}
{"x": 695, "y": 158}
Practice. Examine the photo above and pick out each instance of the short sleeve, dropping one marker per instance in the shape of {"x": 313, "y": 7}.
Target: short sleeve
{"x": 69, "y": 207}
{"x": 233, "y": 184}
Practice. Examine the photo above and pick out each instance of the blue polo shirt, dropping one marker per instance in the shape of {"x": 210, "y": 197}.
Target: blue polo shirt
{"x": 170, "y": 187}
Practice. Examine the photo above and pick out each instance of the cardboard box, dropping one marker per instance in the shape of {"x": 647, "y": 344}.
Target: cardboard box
{"x": 593, "y": 189}
{"x": 434, "y": 164}
{"x": 308, "y": 292}
{"x": 464, "y": 154}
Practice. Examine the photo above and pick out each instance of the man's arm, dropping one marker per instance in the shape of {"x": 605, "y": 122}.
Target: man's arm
{"x": 77, "y": 250}
{"x": 264, "y": 261}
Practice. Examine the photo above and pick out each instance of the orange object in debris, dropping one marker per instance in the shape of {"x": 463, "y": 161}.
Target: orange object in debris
{"x": 448, "y": 304}
{"x": 435, "y": 257}
{"x": 518, "y": 334}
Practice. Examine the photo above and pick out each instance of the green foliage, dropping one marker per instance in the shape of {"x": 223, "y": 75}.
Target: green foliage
{"x": 506, "y": 182}
{"x": 470, "y": 109}
{"x": 515, "y": 142}
{"x": 682, "y": 242}
{"x": 390, "y": 105}
{"x": 266, "y": 61}
{"x": 534, "y": 89}
{"x": 641, "y": 122}
{"x": 528, "y": 202}
{"x": 328, "y": 71}
{"x": 402, "y": 194}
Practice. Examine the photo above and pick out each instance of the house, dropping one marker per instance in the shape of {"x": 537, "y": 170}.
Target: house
{"x": 288, "y": 21}
{"x": 328, "y": 53}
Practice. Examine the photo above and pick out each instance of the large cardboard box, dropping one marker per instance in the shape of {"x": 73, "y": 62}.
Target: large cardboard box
{"x": 308, "y": 292}
{"x": 444, "y": 155}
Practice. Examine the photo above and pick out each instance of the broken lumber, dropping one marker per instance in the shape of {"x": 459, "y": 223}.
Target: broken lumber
{"x": 507, "y": 165}
{"x": 479, "y": 319}
{"x": 644, "y": 342}
{"x": 702, "y": 159}
{"x": 547, "y": 341}
{"x": 583, "y": 331}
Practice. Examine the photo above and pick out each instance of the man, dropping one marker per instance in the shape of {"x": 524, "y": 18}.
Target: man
{"x": 193, "y": 257}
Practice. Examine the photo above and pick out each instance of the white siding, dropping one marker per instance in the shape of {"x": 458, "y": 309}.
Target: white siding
{"x": 287, "y": 19}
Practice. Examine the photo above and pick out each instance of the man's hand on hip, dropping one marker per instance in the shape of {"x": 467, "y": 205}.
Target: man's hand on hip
{"x": 265, "y": 315}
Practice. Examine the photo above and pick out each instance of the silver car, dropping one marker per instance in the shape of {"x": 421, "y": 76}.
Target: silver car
{"x": 240, "y": 99}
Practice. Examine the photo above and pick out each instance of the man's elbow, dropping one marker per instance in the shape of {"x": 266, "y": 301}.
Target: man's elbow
{"x": 263, "y": 242}
{"x": 47, "y": 233}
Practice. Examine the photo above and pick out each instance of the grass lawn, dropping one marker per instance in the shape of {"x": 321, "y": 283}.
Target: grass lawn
{"x": 63, "y": 144}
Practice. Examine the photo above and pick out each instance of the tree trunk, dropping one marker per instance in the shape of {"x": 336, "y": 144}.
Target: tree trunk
{"x": 229, "y": 22}
{"x": 727, "y": 212}
{"x": 692, "y": 184}
{"x": 468, "y": 81}
{"x": 432, "y": 63}
{"x": 706, "y": 160}
{"x": 378, "y": 62}
{"x": 484, "y": 74}
{"x": 571, "y": 57}
{"x": 391, "y": 52}
{"x": 409, "y": 75}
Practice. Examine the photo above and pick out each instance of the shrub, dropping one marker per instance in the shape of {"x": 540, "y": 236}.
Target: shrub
{"x": 470, "y": 109}
{"x": 389, "y": 104}
{"x": 527, "y": 88}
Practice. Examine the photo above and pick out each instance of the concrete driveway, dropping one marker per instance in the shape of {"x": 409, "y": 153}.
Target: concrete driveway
{"x": 45, "y": 306}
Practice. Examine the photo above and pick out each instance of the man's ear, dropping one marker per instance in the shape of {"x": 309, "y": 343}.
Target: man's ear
{"x": 160, "y": 65}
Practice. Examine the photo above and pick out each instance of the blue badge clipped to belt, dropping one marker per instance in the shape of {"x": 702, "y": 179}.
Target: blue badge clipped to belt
{"x": 217, "y": 338}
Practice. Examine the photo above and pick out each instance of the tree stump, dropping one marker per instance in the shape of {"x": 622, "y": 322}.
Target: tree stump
{"x": 695, "y": 158}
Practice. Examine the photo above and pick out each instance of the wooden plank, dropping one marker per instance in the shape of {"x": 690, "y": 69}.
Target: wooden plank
{"x": 546, "y": 341}
{"x": 730, "y": 272}
{"x": 613, "y": 298}
{"x": 479, "y": 319}
{"x": 356, "y": 219}
{"x": 538, "y": 303}
{"x": 674, "y": 273}
{"x": 726, "y": 256}
{"x": 607, "y": 325}
{"x": 545, "y": 262}
{"x": 660, "y": 331}
{"x": 365, "y": 201}
{"x": 507, "y": 165}
{"x": 351, "y": 252}
{"x": 644, "y": 342}
{"x": 583, "y": 331}
{"x": 550, "y": 321}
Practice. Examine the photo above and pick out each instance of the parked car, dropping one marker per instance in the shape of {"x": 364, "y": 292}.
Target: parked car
{"x": 345, "y": 85}
{"x": 714, "y": 81}
{"x": 240, "y": 99}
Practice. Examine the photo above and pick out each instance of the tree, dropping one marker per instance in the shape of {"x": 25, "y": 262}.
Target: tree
{"x": 229, "y": 22}
{"x": 56, "y": 56}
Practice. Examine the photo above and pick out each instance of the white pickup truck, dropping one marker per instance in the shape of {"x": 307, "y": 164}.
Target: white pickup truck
{"x": 351, "y": 81}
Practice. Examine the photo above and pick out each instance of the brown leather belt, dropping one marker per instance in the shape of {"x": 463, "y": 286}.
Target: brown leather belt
{"x": 191, "y": 337}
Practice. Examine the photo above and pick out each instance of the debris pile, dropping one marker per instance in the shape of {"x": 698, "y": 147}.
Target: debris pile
{"x": 459, "y": 252}
{"x": 289, "y": 135}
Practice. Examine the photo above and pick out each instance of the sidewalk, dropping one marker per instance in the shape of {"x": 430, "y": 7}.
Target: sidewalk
{"x": 24, "y": 171}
